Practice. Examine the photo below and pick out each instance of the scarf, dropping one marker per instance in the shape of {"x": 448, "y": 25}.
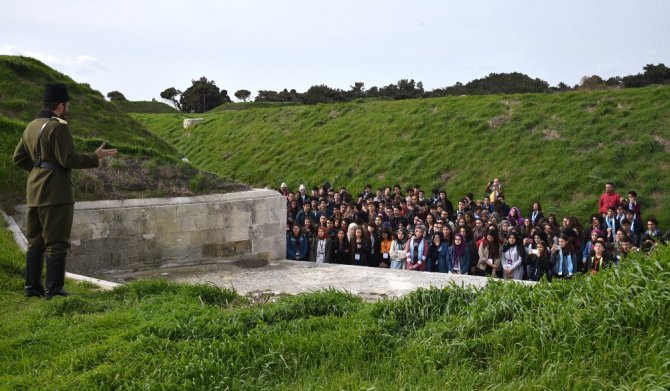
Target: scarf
{"x": 560, "y": 267}
{"x": 459, "y": 250}
{"x": 411, "y": 249}
{"x": 320, "y": 250}
{"x": 518, "y": 218}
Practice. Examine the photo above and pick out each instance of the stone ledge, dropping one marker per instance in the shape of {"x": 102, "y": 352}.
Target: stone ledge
{"x": 146, "y": 202}
{"x": 118, "y": 234}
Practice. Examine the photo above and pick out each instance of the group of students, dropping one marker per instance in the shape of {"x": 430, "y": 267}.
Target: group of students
{"x": 486, "y": 237}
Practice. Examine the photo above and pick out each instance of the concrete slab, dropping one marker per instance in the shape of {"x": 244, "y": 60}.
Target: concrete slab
{"x": 253, "y": 274}
{"x": 294, "y": 277}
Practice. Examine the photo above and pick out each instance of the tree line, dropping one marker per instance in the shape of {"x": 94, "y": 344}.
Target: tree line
{"x": 203, "y": 94}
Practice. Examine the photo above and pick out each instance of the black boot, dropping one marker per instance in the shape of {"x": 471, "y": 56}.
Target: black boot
{"x": 55, "y": 276}
{"x": 34, "y": 266}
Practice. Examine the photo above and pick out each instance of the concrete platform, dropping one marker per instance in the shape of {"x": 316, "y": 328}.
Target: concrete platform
{"x": 258, "y": 277}
{"x": 253, "y": 277}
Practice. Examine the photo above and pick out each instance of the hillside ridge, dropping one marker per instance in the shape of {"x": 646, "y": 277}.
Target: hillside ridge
{"x": 146, "y": 165}
{"x": 558, "y": 149}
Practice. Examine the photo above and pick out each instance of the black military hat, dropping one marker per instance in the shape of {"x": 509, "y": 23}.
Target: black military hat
{"x": 56, "y": 92}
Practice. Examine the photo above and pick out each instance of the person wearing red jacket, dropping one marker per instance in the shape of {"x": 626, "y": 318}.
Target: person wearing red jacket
{"x": 608, "y": 198}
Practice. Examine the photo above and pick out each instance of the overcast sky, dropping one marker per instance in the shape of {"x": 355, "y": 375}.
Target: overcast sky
{"x": 142, "y": 47}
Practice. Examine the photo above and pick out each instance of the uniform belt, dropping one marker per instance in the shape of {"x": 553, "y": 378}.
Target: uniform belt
{"x": 51, "y": 166}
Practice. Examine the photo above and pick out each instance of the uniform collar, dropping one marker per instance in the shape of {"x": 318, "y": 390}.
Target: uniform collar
{"x": 45, "y": 114}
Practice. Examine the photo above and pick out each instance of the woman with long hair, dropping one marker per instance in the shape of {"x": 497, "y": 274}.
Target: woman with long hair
{"x": 375, "y": 238}
{"x": 469, "y": 219}
{"x": 536, "y": 214}
{"x": 416, "y": 249}
{"x": 350, "y": 231}
{"x": 435, "y": 251}
{"x": 321, "y": 246}
{"x": 360, "y": 247}
{"x": 430, "y": 225}
{"x": 341, "y": 249}
{"x": 514, "y": 217}
{"x": 539, "y": 263}
{"x": 297, "y": 244}
{"x": 563, "y": 258}
{"x": 489, "y": 251}
{"x": 309, "y": 230}
{"x": 525, "y": 228}
{"x": 398, "y": 255}
{"x": 513, "y": 257}
{"x": 472, "y": 250}
{"x": 292, "y": 212}
{"x": 479, "y": 230}
{"x": 447, "y": 234}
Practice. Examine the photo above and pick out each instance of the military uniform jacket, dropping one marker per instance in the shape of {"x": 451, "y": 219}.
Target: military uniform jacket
{"x": 47, "y": 186}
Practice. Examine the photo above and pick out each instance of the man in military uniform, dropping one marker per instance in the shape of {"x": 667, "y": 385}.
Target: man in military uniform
{"x": 46, "y": 152}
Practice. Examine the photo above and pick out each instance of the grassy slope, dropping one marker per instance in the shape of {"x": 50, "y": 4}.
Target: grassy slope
{"x": 22, "y": 82}
{"x": 609, "y": 331}
{"x": 238, "y": 106}
{"x": 134, "y": 173}
{"x": 558, "y": 149}
{"x": 145, "y": 107}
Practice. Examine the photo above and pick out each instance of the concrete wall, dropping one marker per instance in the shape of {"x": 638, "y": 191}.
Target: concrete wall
{"x": 144, "y": 233}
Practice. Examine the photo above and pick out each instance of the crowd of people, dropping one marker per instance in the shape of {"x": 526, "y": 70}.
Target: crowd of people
{"x": 413, "y": 230}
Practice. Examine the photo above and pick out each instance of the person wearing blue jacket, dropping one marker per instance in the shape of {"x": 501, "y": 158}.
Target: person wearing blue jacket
{"x": 456, "y": 258}
{"x": 297, "y": 244}
{"x": 563, "y": 258}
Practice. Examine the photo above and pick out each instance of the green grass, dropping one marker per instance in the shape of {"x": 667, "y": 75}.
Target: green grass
{"x": 611, "y": 331}
{"x": 22, "y": 82}
{"x": 145, "y": 107}
{"x": 237, "y": 106}
{"x": 559, "y": 149}
{"x": 93, "y": 120}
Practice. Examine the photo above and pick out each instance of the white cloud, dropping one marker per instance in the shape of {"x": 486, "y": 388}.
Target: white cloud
{"x": 78, "y": 65}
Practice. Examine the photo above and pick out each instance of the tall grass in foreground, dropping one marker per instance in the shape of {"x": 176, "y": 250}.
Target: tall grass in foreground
{"x": 603, "y": 332}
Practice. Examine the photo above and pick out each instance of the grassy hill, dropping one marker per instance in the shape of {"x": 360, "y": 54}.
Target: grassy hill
{"x": 146, "y": 164}
{"x": 238, "y": 106}
{"x": 611, "y": 331}
{"x": 559, "y": 149}
{"x": 153, "y": 107}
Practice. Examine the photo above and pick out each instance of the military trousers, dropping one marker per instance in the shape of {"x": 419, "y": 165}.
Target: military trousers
{"x": 48, "y": 228}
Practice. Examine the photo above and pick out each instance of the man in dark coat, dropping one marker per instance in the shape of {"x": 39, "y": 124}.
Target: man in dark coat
{"x": 46, "y": 152}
